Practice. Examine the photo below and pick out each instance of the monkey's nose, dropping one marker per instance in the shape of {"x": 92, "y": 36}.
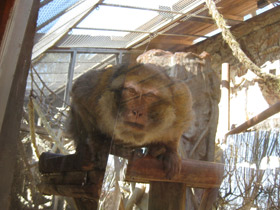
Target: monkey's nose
{"x": 137, "y": 113}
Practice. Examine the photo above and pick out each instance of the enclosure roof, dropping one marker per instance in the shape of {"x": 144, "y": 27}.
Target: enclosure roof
{"x": 99, "y": 29}
{"x": 123, "y": 24}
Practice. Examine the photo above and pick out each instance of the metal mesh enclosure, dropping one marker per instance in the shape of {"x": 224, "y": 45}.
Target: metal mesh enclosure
{"x": 49, "y": 13}
{"x": 122, "y": 24}
{"x": 53, "y": 69}
{"x": 70, "y": 25}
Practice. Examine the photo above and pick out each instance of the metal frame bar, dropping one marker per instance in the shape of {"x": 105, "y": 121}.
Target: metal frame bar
{"x": 142, "y": 40}
{"x": 70, "y": 77}
{"x": 154, "y": 10}
{"x": 51, "y": 38}
{"x": 93, "y": 50}
{"x": 274, "y": 109}
{"x": 116, "y": 54}
{"x": 139, "y": 31}
{"x": 159, "y": 10}
{"x": 43, "y": 3}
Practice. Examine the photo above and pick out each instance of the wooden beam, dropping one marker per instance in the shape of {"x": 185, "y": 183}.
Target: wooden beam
{"x": 194, "y": 173}
{"x": 237, "y": 18}
{"x": 173, "y": 40}
{"x": 69, "y": 175}
{"x": 9, "y": 134}
{"x": 11, "y": 45}
{"x": 146, "y": 169}
{"x": 165, "y": 196}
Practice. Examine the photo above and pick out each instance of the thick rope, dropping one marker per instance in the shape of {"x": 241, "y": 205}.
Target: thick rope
{"x": 32, "y": 127}
{"x": 35, "y": 104}
{"x": 48, "y": 127}
{"x": 235, "y": 47}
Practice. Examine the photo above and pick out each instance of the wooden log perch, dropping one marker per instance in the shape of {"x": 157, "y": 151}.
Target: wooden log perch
{"x": 67, "y": 175}
{"x": 77, "y": 184}
{"x": 194, "y": 173}
{"x": 56, "y": 163}
{"x": 70, "y": 175}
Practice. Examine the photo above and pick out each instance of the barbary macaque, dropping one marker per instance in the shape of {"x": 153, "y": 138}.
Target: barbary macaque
{"x": 139, "y": 107}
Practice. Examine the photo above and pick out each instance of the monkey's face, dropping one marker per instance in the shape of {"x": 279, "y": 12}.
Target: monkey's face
{"x": 146, "y": 107}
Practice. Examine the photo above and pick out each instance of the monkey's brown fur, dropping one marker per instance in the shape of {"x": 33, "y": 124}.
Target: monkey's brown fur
{"x": 141, "y": 106}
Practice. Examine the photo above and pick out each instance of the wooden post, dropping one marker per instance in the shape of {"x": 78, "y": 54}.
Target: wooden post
{"x": 224, "y": 106}
{"x": 167, "y": 196}
{"x": 9, "y": 135}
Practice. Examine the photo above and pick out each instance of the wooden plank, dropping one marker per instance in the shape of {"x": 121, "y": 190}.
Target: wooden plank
{"x": 231, "y": 9}
{"x": 166, "y": 40}
{"x": 167, "y": 196}
{"x": 237, "y": 7}
{"x": 11, "y": 46}
{"x": 9, "y": 134}
{"x": 194, "y": 173}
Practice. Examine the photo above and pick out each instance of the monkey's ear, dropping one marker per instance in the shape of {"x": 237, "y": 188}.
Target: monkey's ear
{"x": 118, "y": 77}
{"x": 118, "y": 82}
{"x": 120, "y": 70}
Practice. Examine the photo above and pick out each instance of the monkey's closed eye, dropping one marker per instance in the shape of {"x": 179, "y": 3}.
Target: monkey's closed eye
{"x": 130, "y": 91}
{"x": 150, "y": 94}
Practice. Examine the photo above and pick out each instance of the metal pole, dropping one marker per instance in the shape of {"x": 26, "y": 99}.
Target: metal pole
{"x": 70, "y": 78}
{"x": 120, "y": 58}
{"x": 257, "y": 119}
{"x": 140, "y": 32}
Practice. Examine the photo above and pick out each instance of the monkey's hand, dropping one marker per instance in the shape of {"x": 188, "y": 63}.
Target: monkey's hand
{"x": 171, "y": 163}
{"x": 170, "y": 159}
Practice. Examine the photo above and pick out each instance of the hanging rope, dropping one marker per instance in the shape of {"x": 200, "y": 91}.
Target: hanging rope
{"x": 49, "y": 114}
{"x": 235, "y": 47}
{"x": 32, "y": 121}
{"x": 32, "y": 127}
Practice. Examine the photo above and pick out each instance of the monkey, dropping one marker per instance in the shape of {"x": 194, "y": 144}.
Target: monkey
{"x": 139, "y": 106}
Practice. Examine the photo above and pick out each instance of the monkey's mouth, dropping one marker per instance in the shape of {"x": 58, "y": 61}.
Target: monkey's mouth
{"x": 135, "y": 125}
